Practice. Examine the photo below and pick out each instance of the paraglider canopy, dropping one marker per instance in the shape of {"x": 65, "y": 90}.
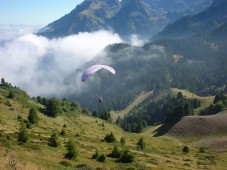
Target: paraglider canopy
{"x": 92, "y": 69}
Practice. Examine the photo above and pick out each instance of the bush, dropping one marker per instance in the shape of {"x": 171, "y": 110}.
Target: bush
{"x": 72, "y": 153}
{"x": 23, "y": 135}
{"x": 102, "y": 158}
{"x": 126, "y": 157}
{"x": 110, "y": 138}
{"x": 122, "y": 141}
{"x": 11, "y": 94}
{"x": 202, "y": 149}
{"x": 96, "y": 155}
{"x": 32, "y": 116}
{"x": 63, "y": 133}
{"x": 185, "y": 149}
{"x": 115, "y": 153}
{"x": 141, "y": 144}
{"x": 53, "y": 141}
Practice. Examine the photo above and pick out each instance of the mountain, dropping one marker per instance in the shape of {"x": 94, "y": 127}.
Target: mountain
{"x": 125, "y": 17}
{"x": 91, "y": 15}
{"x": 136, "y": 17}
{"x": 213, "y": 17}
{"x": 176, "y": 9}
{"x": 155, "y": 66}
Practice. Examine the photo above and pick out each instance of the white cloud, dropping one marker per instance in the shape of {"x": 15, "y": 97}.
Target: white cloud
{"x": 39, "y": 65}
{"x": 136, "y": 40}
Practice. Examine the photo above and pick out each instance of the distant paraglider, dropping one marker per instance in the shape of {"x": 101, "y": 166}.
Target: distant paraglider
{"x": 100, "y": 100}
{"x": 92, "y": 70}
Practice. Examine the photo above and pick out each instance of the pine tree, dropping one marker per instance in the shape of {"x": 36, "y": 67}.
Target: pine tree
{"x": 110, "y": 138}
{"x": 23, "y": 134}
{"x": 185, "y": 149}
{"x": 11, "y": 94}
{"x": 32, "y": 116}
{"x": 3, "y": 83}
{"x": 122, "y": 141}
{"x": 141, "y": 144}
{"x": 53, "y": 141}
{"x": 126, "y": 157}
{"x": 72, "y": 153}
{"x": 115, "y": 152}
{"x": 52, "y": 108}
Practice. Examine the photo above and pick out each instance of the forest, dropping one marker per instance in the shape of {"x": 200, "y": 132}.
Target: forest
{"x": 198, "y": 64}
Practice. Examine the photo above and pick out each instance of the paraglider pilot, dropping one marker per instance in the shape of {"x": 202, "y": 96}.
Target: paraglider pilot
{"x": 100, "y": 100}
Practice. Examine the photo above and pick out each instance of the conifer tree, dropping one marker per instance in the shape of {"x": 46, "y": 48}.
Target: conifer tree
{"x": 53, "y": 141}
{"x": 23, "y": 134}
{"x": 72, "y": 153}
{"x": 32, "y": 116}
{"x": 122, "y": 141}
{"x": 141, "y": 144}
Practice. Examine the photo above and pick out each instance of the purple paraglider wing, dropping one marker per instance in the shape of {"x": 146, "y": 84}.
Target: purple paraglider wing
{"x": 92, "y": 69}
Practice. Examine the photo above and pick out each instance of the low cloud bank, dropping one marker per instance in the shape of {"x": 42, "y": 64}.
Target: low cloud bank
{"x": 39, "y": 65}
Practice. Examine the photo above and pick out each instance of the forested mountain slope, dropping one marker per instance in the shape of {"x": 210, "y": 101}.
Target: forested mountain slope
{"x": 209, "y": 19}
{"x": 197, "y": 63}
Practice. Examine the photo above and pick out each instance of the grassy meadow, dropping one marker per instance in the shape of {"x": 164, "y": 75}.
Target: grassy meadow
{"x": 165, "y": 152}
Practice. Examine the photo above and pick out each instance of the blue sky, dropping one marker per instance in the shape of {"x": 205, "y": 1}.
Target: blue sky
{"x": 34, "y": 12}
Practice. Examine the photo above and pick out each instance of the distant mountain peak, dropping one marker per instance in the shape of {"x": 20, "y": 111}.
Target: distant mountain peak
{"x": 205, "y": 21}
{"x": 125, "y": 17}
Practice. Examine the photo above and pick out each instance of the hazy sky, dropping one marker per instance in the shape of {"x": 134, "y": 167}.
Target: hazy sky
{"x": 34, "y": 12}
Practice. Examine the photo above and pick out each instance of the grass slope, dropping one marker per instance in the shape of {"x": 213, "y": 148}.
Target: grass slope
{"x": 209, "y": 131}
{"x": 161, "y": 152}
{"x": 142, "y": 97}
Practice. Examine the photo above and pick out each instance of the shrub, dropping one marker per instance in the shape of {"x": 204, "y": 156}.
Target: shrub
{"x": 23, "y": 134}
{"x": 115, "y": 153}
{"x": 53, "y": 141}
{"x": 126, "y": 157}
{"x": 141, "y": 144}
{"x": 202, "y": 149}
{"x": 72, "y": 153}
{"x": 102, "y": 158}
{"x": 110, "y": 138}
{"x": 63, "y": 133}
{"x": 96, "y": 155}
{"x": 11, "y": 94}
{"x": 185, "y": 149}
{"x": 122, "y": 141}
{"x": 32, "y": 116}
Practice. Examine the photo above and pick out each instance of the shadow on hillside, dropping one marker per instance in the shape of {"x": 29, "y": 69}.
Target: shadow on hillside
{"x": 162, "y": 130}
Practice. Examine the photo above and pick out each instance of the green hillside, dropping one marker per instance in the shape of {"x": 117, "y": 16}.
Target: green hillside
{"x": 88, "y": 134}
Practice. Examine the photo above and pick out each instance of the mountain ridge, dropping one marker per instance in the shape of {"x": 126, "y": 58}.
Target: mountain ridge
{"x": 125, "y": 17}
{"x": 213, "y": 17}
